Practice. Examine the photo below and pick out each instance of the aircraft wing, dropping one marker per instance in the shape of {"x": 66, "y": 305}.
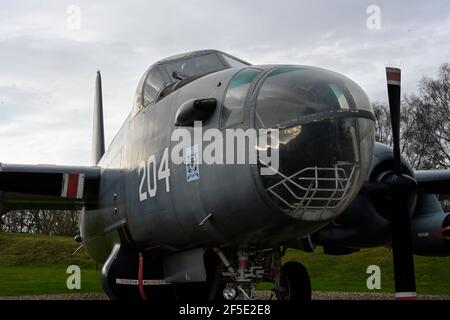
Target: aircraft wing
{"x": 47, "y": 187}
{"x": 433, "y": 181}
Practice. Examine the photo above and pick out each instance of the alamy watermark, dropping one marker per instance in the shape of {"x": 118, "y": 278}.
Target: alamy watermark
{"x": 73, "y": 21}
{"x": 374, "y": 280}
{"x": 74, "y": 279}
{"x": 193, "y": 147}
{"x": 231, "y": 146}
{"x": 373, "y": 21}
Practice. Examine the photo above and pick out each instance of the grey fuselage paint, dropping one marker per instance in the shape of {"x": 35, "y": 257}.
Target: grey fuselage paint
{"x": 241, "y": 214}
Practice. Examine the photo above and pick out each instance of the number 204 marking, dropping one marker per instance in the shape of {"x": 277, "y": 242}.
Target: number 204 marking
{"x": 149, "y": 176}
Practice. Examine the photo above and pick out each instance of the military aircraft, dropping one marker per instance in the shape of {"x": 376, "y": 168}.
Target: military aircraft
{"x": 197, "y": 230}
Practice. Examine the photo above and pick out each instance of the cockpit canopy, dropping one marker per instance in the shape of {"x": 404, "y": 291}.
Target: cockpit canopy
{"x": 180, "y": 69}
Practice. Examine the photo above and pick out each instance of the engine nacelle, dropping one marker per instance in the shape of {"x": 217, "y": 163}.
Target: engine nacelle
{"x": 360, "y": 225}
{"x": 430, "y": 228}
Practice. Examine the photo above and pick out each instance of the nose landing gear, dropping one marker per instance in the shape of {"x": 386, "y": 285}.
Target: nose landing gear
{"x": 242, "y": 284}
{"x": 291, "y": 281}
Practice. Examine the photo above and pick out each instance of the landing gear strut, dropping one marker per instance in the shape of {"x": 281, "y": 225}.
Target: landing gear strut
{"x": 240, "y": 283}
{"x": 291, "y": 281}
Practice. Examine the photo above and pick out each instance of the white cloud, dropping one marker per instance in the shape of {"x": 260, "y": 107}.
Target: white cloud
{"x": 47, "y": 71}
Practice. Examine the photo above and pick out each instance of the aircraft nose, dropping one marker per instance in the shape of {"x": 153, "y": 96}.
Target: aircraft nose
{"x": 325, "y": 140}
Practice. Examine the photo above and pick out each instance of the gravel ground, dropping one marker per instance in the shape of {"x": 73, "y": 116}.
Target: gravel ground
{"x": 330, "y": 295}
{"x": 71, "y": 296}
{"x": 260, "y": 295}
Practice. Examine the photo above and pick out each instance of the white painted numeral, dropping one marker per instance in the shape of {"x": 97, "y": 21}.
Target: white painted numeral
{"x": 142, "y": 194}
{"x": 147, "y": 171}
{"x": 164, "y": 171}
{"x": 151, "y": 162}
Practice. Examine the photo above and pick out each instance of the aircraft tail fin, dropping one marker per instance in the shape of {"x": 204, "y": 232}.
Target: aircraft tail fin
{"x": 98, "y": 135}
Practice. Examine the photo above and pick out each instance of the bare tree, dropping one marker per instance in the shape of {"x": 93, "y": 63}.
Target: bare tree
{"x": 60, "y": 222}
{"x": 433, "y": 106}
{"x": 425, "y": 123}
{"x": 383, "y": 133}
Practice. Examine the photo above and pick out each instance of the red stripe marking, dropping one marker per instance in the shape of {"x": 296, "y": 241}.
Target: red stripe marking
{"x": 72, "y": 185}
{"x": 440, "y": 233}
{"x": 141, "y": 277}
{"x": 447, "y": 228}
{"x": 393, "y": 76}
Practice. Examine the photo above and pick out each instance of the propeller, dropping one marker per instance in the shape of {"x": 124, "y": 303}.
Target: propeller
{"x": 396, "y": 190}
{"x": 393, "y": 193}
{"x": 402, "y": 188}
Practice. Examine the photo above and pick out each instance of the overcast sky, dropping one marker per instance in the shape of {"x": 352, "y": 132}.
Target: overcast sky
{"x": 48, "y": 61}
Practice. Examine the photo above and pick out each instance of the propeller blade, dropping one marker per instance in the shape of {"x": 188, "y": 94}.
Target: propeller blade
{"x": 393, "y": 77}
{"x": 402, "y": 252}
{"x": 402, "y": 188}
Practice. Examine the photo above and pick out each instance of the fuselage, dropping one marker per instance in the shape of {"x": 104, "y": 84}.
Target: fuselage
{"x": 230, "y": 205}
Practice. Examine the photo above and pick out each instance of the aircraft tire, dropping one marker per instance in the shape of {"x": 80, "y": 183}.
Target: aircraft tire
{"x": 295, "y": 283}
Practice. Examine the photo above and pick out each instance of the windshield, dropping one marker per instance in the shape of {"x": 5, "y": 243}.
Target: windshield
{"x": 182, "y": 69}
{"x": 233, "y": 62}
{"x": 295, "y": 92}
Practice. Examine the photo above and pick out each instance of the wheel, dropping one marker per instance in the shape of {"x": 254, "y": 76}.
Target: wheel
{"x": 294, "y": 283}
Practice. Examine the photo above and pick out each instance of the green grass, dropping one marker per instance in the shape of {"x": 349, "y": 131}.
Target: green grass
{"x": 36, "y": 264}
{"x": 44, "y": 280}
{"x": 348, "y": 273}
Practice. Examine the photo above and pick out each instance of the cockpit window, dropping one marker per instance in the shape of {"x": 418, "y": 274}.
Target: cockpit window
{"x": 233, "y": 62}
{"x": 233, "y": 105}
{"x": 153, "y": 84}
{"x": 293, "y": 92}
{"x": 194, "y": 66}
